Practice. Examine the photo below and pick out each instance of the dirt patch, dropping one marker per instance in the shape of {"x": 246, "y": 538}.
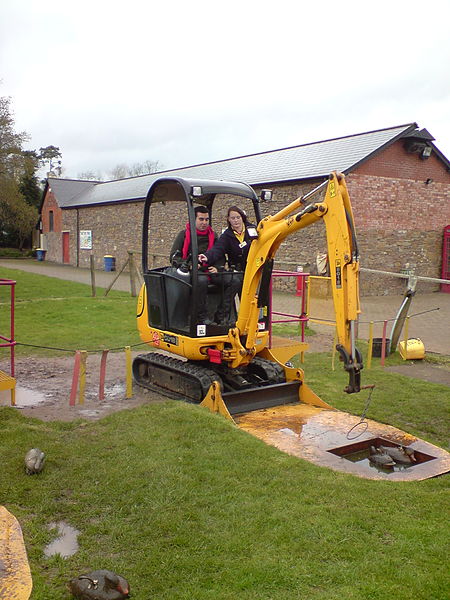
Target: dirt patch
{"x": 424, "y": 371}
{"x": 44, "y": 385}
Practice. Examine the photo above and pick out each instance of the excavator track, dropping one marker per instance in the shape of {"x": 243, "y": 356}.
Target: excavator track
{"x": 174, "y": 378}
{"x": 261, "y": 385}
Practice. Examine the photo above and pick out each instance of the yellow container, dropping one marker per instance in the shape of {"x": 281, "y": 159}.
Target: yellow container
{"x": 414, "y": 350}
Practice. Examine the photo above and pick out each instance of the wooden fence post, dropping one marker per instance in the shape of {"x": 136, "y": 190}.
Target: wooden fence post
{"x": 91, "y": 260}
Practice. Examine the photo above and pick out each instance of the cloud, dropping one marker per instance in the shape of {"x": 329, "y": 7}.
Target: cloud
{"x": 194, "y": 82}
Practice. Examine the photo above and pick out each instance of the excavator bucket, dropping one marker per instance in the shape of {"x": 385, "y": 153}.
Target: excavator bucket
{"x": 15, "y": 575}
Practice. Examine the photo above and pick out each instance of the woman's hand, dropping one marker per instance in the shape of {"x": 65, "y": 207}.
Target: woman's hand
{"x": 202, "y": 259}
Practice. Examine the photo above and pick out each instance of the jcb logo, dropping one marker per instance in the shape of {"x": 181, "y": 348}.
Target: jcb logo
{"x": 332, "y": 189}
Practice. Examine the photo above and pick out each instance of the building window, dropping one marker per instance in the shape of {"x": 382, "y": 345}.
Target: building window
{"x": 50, "y": 220}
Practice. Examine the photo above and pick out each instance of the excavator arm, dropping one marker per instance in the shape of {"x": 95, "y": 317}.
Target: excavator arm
{"x": 336, "y": 212}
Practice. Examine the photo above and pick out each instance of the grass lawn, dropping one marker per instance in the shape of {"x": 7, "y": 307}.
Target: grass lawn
{"x": 54, "y": 313}
{"x": 186, "y": 506}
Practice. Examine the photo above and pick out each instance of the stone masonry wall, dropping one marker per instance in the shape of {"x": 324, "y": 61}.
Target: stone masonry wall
{"x": 399, "y": 222}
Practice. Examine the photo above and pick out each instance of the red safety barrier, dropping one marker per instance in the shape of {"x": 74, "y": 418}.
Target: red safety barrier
{"x": 299, "y": 318}
{"x": 9, "y": 341}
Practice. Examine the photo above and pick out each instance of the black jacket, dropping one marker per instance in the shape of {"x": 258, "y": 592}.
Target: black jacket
{"x": 229, "y": 245}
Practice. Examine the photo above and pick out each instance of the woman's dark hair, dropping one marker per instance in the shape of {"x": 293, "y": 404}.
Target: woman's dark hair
{"x": 238, "y": 210}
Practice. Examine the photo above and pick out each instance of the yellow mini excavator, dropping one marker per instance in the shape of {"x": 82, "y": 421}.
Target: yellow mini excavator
{"x": 230, "y": 368}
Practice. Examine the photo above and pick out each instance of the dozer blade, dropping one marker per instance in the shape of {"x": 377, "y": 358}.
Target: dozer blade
{"x": 249, "y": 400}
{"x": 261, "y": 397}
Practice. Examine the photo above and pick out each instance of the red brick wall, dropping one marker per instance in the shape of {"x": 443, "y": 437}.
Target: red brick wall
{"x": 49, "y": 204}
{"x": 396, "y": 163}
{"x": 400, "y": 218}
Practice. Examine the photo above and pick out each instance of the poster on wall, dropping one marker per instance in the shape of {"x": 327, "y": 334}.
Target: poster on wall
{"x": 86, "y": 240}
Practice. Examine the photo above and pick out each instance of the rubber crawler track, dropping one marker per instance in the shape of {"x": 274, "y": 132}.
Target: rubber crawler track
{"x": 200, "y": 376}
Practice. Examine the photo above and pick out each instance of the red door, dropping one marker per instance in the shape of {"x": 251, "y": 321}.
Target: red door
{"x": 445, "y": 273}
{"x": 65, "y": 245}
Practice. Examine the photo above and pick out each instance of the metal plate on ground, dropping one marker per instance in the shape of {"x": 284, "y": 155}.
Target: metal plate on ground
{"x": 310, "y": 433}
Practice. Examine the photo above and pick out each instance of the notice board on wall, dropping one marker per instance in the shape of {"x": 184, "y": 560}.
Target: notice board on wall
{"x": 86, "y": 240}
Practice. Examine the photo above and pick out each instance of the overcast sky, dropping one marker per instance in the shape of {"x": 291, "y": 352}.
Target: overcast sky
{"x": 187, "y": 82}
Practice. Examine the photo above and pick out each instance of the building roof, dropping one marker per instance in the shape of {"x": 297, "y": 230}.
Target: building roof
{"x": 65, "y": 190}
{"x": 308, "y": 161}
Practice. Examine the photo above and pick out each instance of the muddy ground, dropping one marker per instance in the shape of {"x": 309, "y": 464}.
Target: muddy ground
{"x": 44, "y": 384}
{"x": 44, "y": 388}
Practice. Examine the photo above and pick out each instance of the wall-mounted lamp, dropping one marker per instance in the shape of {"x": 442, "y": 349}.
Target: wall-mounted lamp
{"x": 426, "y": 152}
{"x": 428, "y": 181}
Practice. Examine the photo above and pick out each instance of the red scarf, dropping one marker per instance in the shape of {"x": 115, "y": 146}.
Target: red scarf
{"x": 187, "y": 239}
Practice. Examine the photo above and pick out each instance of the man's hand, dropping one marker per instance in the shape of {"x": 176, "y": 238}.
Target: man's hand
{"x": 212, "y": 270}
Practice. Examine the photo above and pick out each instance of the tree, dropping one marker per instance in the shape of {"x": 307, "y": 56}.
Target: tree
{"x": 52, "y": 156}
{"x": 11, "y": 154}
{"x": 147, "y": 167}
{"x": 29, "y": 184}
{"x": 30, "y": 190}
{"x": 90, "y": 176}
{"x": 17, "y": 167}
{"x": 119, "y": 172}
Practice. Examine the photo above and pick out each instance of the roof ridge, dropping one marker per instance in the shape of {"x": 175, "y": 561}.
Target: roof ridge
{"x": 223, "y": 160}
{"x": 93, "y": 181}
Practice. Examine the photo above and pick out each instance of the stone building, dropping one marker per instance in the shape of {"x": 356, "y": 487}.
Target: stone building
{"x": 398, "y": 180}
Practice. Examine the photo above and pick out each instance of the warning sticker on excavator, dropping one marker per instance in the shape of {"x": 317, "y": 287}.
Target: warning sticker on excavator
{"x": 201, "y": 330}
{"x": 332, "y": 189}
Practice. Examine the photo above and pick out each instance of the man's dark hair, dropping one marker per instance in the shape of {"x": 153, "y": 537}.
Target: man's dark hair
{"x": 200, "y": 209}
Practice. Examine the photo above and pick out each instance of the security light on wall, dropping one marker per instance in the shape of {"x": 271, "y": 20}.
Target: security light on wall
{"x": 266, "y": 195}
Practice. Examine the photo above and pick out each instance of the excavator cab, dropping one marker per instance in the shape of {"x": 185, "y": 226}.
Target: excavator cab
{"x": 173, "y": 291}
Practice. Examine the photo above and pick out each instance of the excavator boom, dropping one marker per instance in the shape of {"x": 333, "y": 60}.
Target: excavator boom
{"x": 336, "y": 212}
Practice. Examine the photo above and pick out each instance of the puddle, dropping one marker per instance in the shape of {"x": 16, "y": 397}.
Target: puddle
{"x": 24, "y": 397}
{"x": 89, "y": 413}
{"x": 359, "y": 453}
{"x": 66, "y": 543}
{"x": 118, "y": 389}
{"x": 362, "y": 458}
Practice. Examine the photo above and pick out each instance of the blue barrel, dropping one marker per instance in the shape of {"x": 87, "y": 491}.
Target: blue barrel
{"x": 40, "y": 254}
{"x": 110, "y": 263}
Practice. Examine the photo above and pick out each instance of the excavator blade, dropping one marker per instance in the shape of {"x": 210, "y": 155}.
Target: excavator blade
{"x": 15, "y": 575}
{"x": 262, "y": 397}
{"x": 249, "y": 400}
{"x": 293, "y": 392}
